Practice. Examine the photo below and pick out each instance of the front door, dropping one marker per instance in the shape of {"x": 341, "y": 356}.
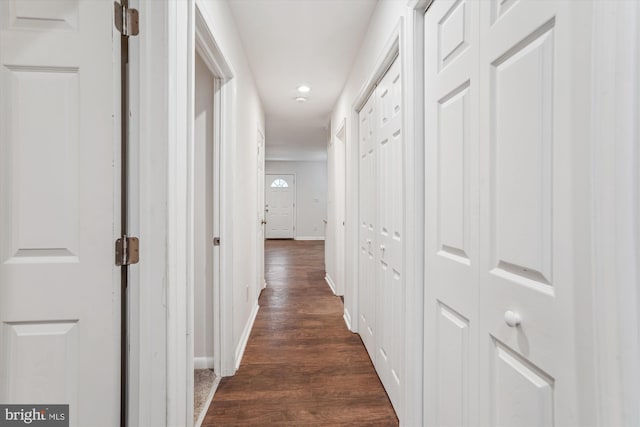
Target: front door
{"x": 59, "y": 286}
{"x": 280, "y": 194}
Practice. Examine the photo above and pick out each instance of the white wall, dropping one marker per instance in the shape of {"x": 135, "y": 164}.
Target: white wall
{"x": 311, "y": 194}
{"x": 249, "y": 117}
{"x": 203, "y": 209}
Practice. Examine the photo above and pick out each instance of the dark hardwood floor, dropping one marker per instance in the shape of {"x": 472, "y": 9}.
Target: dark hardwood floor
{"x": 302, "y": 367}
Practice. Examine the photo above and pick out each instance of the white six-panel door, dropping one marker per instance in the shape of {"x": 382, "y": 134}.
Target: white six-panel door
{"x": 366, "y": 224}
{"x": 59, "y": 287}
{"x": 389, "y": 231}
{"x": 279, "y": 201}
{"x": 451, "y": 252}
{"x": 500, "y": 261}
{"x": 381, "y": 230}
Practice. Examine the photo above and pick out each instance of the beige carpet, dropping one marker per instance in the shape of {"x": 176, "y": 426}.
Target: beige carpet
{"x": 203, "y": 380}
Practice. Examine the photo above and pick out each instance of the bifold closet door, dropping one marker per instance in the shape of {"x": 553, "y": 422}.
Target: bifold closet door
{"x": 367, "y": 267}
{"x": 451, "y": 264}
{"x": 533, "y": 84}
{"x": 381, "y": 230}
{"x": 389, "y": 232}
{"x": 503, "y": 84}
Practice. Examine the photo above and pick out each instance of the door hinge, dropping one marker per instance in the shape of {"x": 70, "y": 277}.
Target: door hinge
{"x": 216, "y": 241}
{"x": 127, "y": 250}
{"x": 126, "y": 19}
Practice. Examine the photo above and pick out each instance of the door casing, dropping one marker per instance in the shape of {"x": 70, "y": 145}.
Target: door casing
{"x": 161, "y": 373}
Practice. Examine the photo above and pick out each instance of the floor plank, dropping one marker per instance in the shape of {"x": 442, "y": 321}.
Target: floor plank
{"x": 302, "y": 367}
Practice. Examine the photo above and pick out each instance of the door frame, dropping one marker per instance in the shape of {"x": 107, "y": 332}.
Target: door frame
{"x": 222, "y": 72}
{"x": 403, "y": 42}
{"x": 340, "y": 207}
{"x": 161, "y": 354}
{"x": 260, "y": 189}
{"x": 615, "y": 217}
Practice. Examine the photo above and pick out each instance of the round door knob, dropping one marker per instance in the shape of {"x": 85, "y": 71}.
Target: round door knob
{"x": 512, "y": 318}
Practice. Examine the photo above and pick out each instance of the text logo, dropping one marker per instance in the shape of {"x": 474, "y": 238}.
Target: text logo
{"x": 34, "y": 415}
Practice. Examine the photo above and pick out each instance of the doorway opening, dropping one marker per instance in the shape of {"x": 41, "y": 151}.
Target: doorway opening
{"x": 204, "y": 217}
{"x": 209, "y": 353}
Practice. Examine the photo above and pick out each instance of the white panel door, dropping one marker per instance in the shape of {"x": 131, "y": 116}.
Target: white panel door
{"x": 367, "y": 219}
{"x": 280, "y": 198}
{"x": 451, "y": 254}
{"x": 501, "y": 84}
{"x": 59, "y": 287}
{"x": 529, "y": 84}
{"x": 389, "y": 232}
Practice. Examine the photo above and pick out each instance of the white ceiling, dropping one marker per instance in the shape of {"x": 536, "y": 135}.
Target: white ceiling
{"x": 294, "y": 42}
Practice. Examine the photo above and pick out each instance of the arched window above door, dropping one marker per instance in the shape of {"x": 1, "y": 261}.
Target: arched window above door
{"x": 279, "y": 183}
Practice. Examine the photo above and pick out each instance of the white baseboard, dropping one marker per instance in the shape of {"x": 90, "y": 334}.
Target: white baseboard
{"x": 203, "y": 363}
{"x": 347, "y": 319}
{"x": 309, "y": 238}
{"x": 244, "y": 339}
{"x": 264, "y": 284}
{"x": 203, "y": 413}
{"x": 329, "y": 281}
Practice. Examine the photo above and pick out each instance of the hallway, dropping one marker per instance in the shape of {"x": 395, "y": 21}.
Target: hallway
{"x": 301, "y": 366}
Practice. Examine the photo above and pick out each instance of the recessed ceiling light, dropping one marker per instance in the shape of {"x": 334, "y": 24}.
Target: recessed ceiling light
{"x": 304, "y": 89}
{"x": 301, "y": 99}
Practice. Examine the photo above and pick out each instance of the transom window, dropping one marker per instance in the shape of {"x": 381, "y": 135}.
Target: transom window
{"x": 279, "y": 183}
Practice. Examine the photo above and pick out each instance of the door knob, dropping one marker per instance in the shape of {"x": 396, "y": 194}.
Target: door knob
{"x": 512, "y": 318}
{"x": 263, "y": 222}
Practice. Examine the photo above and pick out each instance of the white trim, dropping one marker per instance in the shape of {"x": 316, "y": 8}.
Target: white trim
{"x": 615, "y": 218}
{"x": 352, "y": 229}
{"x": 261, "y": 214}
{"x": 390, "y": 52}
{"x": 190, "y": 214}
{"x": 148, "y": 374}
{"x": 203, "y": 363}
{"x": 179, "y": 281}
{"x": 244, "y": 339}
{"x": 340, "y": 216}
{"x": 341, "y": 133}
{"x": 309, "y": 238}
{"x": 347, "y": 319}
{"x": 329, "y": 281}
{"x": 412, "y": 56}
{"x": 224, "y": 147}
{"x": 205, "y": 408}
